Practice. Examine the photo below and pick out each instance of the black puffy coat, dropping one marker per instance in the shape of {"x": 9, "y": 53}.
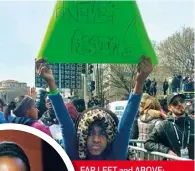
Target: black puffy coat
{"x": 163, "y": 138}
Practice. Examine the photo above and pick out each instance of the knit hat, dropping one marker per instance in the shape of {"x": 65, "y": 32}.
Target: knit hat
{"x": 23, "y": 105}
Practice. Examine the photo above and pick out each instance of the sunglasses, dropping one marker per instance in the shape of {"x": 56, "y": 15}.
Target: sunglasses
{"x": 177, "y": 102}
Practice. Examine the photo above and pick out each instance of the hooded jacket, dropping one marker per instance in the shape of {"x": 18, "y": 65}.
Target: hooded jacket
{"x": 138, "y": 131}
{"x": 163, "y": 138}
{"x": 147, "y": 122}
{"x": 120, "y": 139}
{"x": 110, "y": 122}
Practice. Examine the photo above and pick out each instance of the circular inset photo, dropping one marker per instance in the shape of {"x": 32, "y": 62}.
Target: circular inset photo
{"x": 23, "y": 148}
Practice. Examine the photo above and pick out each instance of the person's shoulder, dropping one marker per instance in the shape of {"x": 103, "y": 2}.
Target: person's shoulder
{"x": 39, "y": 125}
{"x": 163, "y": 124}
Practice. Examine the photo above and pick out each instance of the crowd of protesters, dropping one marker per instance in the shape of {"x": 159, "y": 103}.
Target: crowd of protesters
{"x": 96, "y": 133}
{"x": 94, "y": 102}
{"x": 150, "y": 87}
{"x": 174, "y": 135}
{"x": 176, "y": 84}
{"x": 180, "y": 83}
{"x": 169, "y": 131}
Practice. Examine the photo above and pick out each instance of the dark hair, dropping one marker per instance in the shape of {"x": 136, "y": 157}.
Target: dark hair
{"x": 10, "y": 106}
{"x": 12, "y": 150}
{"x": 98, "y": 123}
{"x": 79, "y": 104}
{"x": 40, "y": 102}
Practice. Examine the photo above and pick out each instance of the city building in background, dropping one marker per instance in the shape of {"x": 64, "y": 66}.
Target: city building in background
{"x": 86, "y": 81}
{"x": 10, "y": 89}
{"x": 67, "y": 76}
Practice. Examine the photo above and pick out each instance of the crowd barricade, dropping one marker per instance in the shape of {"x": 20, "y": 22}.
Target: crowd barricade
{"x": 139, "y": 153}
{"x": 139, "y": 143}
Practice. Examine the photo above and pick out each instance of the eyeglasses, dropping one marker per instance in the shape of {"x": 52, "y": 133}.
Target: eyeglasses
{"x": 177, "y": 102}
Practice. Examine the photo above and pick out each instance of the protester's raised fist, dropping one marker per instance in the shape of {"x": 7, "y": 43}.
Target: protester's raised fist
{"x": 43, "y": 70}
{"x": 32, "y": 92}
{"x": 144, "y": 68}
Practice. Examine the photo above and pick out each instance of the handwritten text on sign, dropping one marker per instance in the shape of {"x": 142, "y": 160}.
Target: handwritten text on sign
{"x": 91, "y": 12}
{"x": 96, "y": 32}
{"x": 84, "y": 44}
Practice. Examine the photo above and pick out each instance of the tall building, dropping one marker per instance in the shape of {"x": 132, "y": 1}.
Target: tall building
{"x": 10, "y": 89}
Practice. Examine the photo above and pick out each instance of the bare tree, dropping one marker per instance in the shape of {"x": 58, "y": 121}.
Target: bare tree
{"x": 176, "y": 53}
{"x": 109, "y": 76}
{"x": 121, "y": 76}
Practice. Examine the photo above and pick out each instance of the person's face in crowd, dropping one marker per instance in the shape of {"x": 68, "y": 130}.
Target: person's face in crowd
{"x": 177, "y": 106}
{"x": 96, "y": 141}
{"x": 11, "y": 164}
{"x": 48, "y": 104}
{"x": 32, "y": 112}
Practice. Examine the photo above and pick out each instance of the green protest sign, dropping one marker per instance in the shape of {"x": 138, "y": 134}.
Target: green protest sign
{"x": 96, "y": 32}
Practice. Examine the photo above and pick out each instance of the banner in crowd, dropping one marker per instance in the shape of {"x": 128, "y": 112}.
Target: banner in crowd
{"x": 96, "y": 32}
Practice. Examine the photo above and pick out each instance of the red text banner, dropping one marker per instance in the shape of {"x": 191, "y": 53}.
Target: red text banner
{"x": 133, "y": 165}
